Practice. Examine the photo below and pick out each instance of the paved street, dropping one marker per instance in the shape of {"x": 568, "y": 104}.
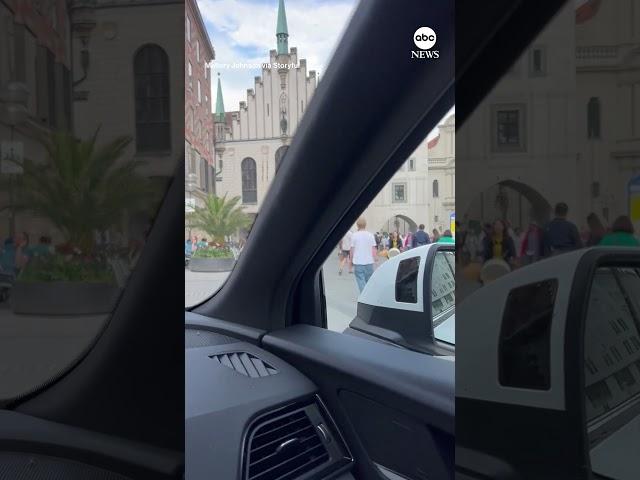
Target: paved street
{"x": 33, "y": 349}
{"x": 341, "y": 292}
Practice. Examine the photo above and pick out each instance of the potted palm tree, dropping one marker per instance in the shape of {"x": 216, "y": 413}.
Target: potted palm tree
{"x": 219, "y": 218}
{"x": 81, "y": 188}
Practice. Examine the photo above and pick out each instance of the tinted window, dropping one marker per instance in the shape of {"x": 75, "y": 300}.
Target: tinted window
{"x": 407, "y": 280}
{"x": 524, "y": 339}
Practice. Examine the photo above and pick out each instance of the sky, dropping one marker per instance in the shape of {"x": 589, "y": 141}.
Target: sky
{"x": 244, "y": 31}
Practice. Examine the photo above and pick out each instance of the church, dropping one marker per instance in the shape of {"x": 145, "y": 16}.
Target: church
{"x": 251, "y": 142}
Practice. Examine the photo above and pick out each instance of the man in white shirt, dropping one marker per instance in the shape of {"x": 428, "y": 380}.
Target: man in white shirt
{"x": 363, "y": 253}
{"x": 345, "y": 252}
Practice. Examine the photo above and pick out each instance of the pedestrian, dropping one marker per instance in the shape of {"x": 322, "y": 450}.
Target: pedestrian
{"x": 622, "y": 234}
{"x": 532, "y": 247}
{"x": 394, "y": 240}
{"x": 447, "y": 237}
{"x": 407, "y": 241}
{"x": 596, "y": 230}
{"x": 385, "y": 241}
{"x": 561, "y": 235}
{"x": 499, "y": 244}
{"x": 436, "y": 235}
{"x": 23, "y": 253}
{"x": 188, "y": 247}
{"x": 43, "y": 247}
{"x": 363, "y": 253}
{"x": 345, "y": 252}
{"x": 421, "y": 237}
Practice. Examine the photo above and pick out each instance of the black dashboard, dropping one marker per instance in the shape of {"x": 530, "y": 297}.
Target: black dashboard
{"x": 249, "y": 415}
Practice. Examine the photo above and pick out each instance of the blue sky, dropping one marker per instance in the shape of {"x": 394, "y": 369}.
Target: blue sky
{"x": 243, "y": 31}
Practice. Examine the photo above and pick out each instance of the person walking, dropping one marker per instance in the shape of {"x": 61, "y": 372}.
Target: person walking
{"x": 561, "y": 235}
{"x": 421, "y": 237}
{"x": 621, "y": 235}
{"x": 363, "y": 253}
{"x": 447, "y": 237}
{"x": 394, "y": 240}
{"x": 407, "y": 242}
{"x": 596, "y": 230}
{"x": 499, "y": 244}
{"x": 436, "y": 235}
{"x": 345, "y": 252}
{"x": 532, "y": 248}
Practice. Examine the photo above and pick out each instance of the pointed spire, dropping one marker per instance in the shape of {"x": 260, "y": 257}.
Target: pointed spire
{"x": 282, "y": 32}
{"x": 219, "y": 115}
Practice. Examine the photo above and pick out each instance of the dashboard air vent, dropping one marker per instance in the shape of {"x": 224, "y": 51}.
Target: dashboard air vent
{"x": 285, "y": 448}
{"x": 245, "y": 363}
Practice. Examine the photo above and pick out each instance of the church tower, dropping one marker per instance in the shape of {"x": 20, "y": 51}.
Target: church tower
{"x": 282, "y": 33}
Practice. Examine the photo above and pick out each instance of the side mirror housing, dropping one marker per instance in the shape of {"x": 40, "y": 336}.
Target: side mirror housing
{"x": 396, "y": 305}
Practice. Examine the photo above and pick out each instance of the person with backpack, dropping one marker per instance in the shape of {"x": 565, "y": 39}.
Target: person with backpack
{"x": 421, "y": 237}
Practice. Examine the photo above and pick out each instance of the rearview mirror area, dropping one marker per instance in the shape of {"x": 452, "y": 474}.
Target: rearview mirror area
{"x": 612, "y": 370}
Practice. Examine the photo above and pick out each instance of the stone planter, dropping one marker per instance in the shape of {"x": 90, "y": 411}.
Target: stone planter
{"x": 211, "y": 264}
{"x": 63, "y": 298}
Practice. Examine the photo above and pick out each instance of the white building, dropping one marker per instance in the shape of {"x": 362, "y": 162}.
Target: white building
{"x": 251, "y": 142}
{"x": 518, "y": 146}
{"x": 422, "y": 191}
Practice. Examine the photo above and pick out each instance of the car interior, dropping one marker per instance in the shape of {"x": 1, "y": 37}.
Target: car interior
{"x": 276, "y": 393}
{"x": 265, "y": 390}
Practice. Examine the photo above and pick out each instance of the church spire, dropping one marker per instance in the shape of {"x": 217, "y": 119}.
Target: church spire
{"x": 282, "y": 32}
{"x": 219, "y": 116}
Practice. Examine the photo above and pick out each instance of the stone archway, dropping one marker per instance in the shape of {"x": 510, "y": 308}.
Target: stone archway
{"x": 509, "y": 200}
{"x": 401, "y": 223}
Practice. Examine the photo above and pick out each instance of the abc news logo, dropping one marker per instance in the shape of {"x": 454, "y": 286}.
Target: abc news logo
{"x": 425, "y": 39}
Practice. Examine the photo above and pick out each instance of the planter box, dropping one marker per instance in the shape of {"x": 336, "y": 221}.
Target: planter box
{"x": 211, "y": 264}
{"x": 63, "y": 298}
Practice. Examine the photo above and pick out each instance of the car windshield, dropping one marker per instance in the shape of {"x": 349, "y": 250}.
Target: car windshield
{"x": 244, "y": 100}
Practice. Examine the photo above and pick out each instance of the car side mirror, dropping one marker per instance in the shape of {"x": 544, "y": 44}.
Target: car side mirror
{"x": 400, "y": 301}
{"x": 549, "y": 379}
{"x": 611, "y": 367}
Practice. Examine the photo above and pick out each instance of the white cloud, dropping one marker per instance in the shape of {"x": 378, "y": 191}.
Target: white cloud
{"x": 237, "y": 26}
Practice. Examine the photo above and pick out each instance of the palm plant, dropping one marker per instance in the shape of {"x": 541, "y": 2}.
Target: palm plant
{"x": 219, "y": 217}
{"x": 83, "y": 187}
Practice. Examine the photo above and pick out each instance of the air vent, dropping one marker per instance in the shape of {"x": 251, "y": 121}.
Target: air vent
{"x": 245, "y": 363}
{"x": 285, "y": 448}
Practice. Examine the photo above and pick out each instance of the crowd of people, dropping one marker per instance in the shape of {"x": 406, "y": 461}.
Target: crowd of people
{"x": 478, "y": 244}
{"x": 359, "y": 251}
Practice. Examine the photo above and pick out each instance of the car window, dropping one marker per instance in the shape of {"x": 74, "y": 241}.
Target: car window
{"x": 415, "y": 209}
{"x": 260, "y": 88}
{"x": 85, "y": 161}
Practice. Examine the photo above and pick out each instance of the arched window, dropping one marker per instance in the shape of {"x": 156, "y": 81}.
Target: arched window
{"x": 435, "y": 189}
{"x": 280, "y": 155}
{"x": 593, "y": 118}
{"x": 249, "y": 181}
{"x": 151, "y": 72}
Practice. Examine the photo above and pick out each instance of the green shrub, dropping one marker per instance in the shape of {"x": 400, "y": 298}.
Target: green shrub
{"x": 213, "y": 252}
{"x": 66, "y": 268}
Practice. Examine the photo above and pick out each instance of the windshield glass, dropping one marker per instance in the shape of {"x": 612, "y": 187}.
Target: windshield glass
{"x": 242, "y": 109}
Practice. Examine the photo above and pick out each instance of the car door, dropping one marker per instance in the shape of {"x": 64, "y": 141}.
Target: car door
{"x": 394, "y": 407}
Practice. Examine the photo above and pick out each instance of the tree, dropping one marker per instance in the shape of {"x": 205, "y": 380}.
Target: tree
{"x": 219, "y": 217}
{"x": 83, "y": 188}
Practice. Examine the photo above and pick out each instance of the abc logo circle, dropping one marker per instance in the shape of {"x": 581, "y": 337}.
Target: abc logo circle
{"x": 424, "y": 38}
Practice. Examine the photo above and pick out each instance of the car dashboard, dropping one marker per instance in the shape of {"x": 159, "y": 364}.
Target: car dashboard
{"x": 249, "y": 415}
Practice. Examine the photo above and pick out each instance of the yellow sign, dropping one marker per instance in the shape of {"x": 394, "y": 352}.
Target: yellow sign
{"x": 452, "y": 224}
{"x": 635, "y": 208}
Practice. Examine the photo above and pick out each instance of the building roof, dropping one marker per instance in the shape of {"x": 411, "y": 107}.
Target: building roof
{"x": 203, "y": 29}
{"x": 219, "y": 115}
{"x": 282, "y": 19}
